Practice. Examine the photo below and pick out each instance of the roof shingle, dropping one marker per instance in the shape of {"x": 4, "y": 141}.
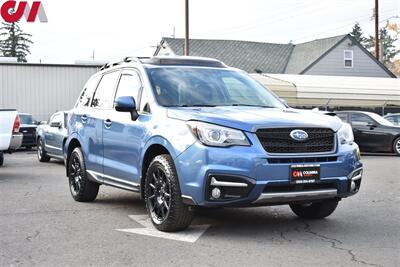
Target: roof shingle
{"x": 305, "y": 54}
{"x": 248, "y": 56}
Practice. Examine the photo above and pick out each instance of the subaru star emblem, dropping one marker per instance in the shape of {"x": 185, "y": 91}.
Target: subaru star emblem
{"x": 299, "y": 135}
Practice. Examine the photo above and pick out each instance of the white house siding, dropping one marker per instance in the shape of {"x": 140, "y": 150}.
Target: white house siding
{"x": 42, "y": 89}
{"x": 165, "y": 50}
{"x": 333, "y": 63}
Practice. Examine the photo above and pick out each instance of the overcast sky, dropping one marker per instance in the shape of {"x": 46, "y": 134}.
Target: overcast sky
{"x": 119, "y": 28}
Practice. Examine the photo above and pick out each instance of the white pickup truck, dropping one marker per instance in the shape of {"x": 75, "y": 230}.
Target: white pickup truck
{"x": 10, "y": 138}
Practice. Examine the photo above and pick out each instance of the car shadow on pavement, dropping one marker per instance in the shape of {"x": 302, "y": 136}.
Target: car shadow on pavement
{"x": 260, "y": 223}
{"x": 127, "y": 200}
{"x": 272, "y": 225}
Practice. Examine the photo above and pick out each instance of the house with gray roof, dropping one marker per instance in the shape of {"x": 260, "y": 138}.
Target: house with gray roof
{"x": 337, "y": 56}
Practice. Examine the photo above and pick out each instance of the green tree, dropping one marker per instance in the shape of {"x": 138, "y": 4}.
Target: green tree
{"x": 14, "y": 42}
{"x": 357, "y": 33}
{"x": 388, "y": 48}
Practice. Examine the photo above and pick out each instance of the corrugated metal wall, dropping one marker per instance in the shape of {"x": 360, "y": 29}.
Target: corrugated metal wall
{"x": 42, "y": 89}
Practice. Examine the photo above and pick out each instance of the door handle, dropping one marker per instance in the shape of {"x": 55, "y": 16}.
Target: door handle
{"x": 107, "y": 123}
{"x": 84, "y": 118}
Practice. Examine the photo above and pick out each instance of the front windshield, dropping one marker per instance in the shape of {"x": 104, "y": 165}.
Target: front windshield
{"x": 380, "y": 120}
{"x": 26, "y": 119}
{"x": 191, "y": 86}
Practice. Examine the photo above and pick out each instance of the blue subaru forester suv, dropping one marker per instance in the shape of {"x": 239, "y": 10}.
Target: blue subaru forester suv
{"x": 186, "y": 132}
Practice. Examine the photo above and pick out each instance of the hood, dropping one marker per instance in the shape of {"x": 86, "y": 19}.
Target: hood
{"x": 252, "y": 118}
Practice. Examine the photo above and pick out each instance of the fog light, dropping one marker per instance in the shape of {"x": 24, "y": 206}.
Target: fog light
{"x": 353, "y": 186}
{"x": 216, "y": 193}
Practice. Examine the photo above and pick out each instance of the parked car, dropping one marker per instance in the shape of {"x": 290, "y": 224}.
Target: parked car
{"x": 28, "y": 129}
{"x": 51, "y": 137}
{"x": 10, "y": 138}
{"x": 372, "y": 132}
{"x": 393, "y": 118}
{"x": 186, "y": 131}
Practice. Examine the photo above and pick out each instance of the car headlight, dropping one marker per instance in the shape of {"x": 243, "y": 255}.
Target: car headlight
{"x": 215, "y": 135}
{"x": 346, "y": 134}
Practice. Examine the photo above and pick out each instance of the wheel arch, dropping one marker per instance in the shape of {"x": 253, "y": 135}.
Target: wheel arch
{"x": 73, "y": 143}
{"x": 151, "y": 152}
{"x": 393, "y": 142}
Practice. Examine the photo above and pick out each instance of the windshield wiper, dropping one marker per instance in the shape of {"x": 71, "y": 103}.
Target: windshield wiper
{"x": 249, "y": 105}
{"x": 195, "y": 105}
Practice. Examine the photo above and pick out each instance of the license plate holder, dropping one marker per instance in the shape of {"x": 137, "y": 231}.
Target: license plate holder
{"x": 305, "y": 173}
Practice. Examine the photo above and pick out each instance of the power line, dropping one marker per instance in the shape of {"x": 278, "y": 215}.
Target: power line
{"x": 353, "y": 20}
{"x": 288, "y": 17}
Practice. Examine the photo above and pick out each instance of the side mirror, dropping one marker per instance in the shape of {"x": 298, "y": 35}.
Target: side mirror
{"x": 126, "y": 104}
{"x": 372, "y": 125}
{"x": 56, "y": 124}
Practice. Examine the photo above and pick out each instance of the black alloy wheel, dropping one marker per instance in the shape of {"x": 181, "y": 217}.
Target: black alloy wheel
{"x": 159, "y": 195}
{"x": 82, "y": 189}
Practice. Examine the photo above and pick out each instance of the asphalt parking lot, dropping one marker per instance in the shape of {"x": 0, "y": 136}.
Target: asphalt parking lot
{"x": 40, "y": 225}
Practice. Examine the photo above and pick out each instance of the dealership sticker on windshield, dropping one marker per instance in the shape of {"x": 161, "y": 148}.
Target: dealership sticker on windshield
{"x": 304, "y": 174}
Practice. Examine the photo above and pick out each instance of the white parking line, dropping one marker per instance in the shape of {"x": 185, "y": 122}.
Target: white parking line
{"x": 191, "y": 235}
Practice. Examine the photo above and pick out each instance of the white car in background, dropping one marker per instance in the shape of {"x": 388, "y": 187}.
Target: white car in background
{"x": 10, "y": 138}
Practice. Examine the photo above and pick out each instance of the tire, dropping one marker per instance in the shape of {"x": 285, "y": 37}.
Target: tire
{"x": 163, "y": 196}
{"x": 1, "y": 158}
{"x": 396, "y": 146}
{"x": 317, "y": 210}
{"x": 81, "y": 188}
{"x": 41, "y": 152}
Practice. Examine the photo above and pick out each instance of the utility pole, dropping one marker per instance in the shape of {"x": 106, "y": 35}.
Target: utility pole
{"x": 186, "y": 49}
{"x": 377, "y": 29}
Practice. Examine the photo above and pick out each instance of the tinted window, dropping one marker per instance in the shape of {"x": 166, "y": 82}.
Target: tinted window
{"x": 393, "y": 119}
{"x": 186, "y": 86}
{"x": 129, "y": 85}
{"x": 26, "y": 119}
{"x": 342, "y": 116}
{"x": 104, "y": 96}
{"x": 360, "y": 119}
{"x": 87, "y": 93}
{"x": 56, "y": 118}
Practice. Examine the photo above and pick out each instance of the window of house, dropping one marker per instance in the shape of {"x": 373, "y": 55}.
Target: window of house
{"x": 348, "y": 58}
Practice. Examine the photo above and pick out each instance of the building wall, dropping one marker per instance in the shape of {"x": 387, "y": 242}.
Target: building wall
{"x": 333, "y": 63}
{"x": 165, "y": 50}
{"x": 42, "y": 89}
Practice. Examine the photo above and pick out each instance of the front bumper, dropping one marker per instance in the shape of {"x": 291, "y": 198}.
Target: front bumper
{"x": 267, "y": 175}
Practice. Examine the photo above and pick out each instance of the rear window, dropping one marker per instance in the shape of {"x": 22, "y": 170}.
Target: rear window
{"x": 343, "y": 117}
{"x": 26, "y": 119}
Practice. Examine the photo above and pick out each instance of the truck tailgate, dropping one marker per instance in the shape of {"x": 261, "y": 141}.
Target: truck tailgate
{"x": 7, "y": 117}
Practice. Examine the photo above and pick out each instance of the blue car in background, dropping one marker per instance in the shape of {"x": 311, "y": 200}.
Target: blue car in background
{"x": 186, "y": 132}
{"x": 51, "y": 137}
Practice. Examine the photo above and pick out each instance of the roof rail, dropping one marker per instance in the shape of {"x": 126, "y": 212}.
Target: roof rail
{"x": 125, "y": 60}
